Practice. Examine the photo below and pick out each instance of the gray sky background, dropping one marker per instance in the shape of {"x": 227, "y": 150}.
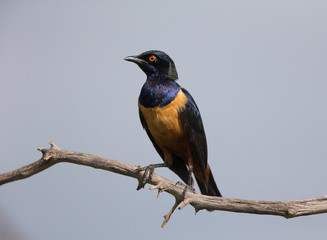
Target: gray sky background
{"x": 257, "y": 70}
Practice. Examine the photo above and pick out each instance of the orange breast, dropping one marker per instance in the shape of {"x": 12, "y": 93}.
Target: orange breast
{"x": 165, "y": 125}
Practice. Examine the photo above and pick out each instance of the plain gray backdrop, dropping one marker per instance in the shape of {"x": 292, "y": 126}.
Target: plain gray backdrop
{"x": 257, "y": 70}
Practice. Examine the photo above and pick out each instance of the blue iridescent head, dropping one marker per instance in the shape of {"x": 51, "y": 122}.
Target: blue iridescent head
{"x": 155, "y": 64}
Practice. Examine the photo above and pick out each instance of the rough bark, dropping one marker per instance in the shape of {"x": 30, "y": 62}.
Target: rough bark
{"x": 53, "y": 155}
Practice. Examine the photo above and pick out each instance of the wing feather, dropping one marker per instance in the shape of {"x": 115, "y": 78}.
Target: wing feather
{"x": 191, "y": 119}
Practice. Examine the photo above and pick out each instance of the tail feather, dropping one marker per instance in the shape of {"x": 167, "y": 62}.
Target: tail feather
{"x": 211, "y": 189}
{"x": 179, "y": 167}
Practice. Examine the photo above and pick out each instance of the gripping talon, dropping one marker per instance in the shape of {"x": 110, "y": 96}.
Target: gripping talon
{"x": 148, "y": 170}
{"x": 140, "y": 169}
{"x": 187, "y": 188}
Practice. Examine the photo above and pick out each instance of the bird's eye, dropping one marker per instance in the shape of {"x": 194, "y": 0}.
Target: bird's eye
{"x": 152, "y": 58}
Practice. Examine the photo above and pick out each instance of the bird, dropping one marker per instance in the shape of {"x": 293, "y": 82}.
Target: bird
{"x": 172, "y": 121}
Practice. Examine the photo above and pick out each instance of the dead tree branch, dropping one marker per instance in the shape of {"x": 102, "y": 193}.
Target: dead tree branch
{"x": 53, "y": 155}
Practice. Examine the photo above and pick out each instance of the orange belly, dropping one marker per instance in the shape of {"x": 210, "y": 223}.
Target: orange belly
{"x": 165, "y": 125}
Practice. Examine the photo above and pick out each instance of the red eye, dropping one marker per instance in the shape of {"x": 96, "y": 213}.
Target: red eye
{"x": 152, "y": 58}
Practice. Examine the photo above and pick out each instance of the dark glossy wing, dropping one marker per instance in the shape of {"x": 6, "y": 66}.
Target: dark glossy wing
{"x": 191, "y": 119}
{"x": 178, "y": 166}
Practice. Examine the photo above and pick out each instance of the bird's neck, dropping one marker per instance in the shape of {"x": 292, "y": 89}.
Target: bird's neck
{"x": 157, "y": 76}
{"x": 158, "y": 92}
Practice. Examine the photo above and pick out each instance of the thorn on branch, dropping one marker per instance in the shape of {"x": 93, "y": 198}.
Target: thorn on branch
{"x": 45, "y": 151}
{"x": 185, "y": 202}
{"x": 196, "y": 211}
{"x": 160, "y": 189}
{"x": 45, "y": 155}
{"x": 168, "y": 215}
{"x": 53, "y": 145}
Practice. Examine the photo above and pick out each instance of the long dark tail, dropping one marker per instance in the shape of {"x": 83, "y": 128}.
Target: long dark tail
{"x": 179, "y": 167}
{"x": 212, "y": 189}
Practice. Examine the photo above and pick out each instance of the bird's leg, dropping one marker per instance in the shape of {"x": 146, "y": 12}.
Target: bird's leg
{"x": 148, "y": 170}
{"x": 190, "y": 183}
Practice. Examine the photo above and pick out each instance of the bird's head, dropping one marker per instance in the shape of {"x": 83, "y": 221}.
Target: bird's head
{"x": 155, "y": 64}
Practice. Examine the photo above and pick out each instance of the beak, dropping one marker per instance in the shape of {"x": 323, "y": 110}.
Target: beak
{"x": 136, "y": 60}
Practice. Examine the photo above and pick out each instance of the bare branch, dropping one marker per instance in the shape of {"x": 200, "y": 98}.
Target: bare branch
{"x": 53, "y": 155}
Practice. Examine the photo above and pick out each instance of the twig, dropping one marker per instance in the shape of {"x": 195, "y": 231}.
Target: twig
{"x": 55, "y": 155}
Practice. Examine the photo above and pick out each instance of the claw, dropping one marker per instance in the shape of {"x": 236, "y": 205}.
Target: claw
{"x": 148, "y": 170}
{"x": 187, "y": 188}
{"x": 179, "y": 183}
{"x": 140, "y": 169}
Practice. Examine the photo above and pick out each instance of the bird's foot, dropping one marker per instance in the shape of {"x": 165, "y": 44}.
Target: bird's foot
{"x": 148, "y": 170}
{"x": 186, "y": 188}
